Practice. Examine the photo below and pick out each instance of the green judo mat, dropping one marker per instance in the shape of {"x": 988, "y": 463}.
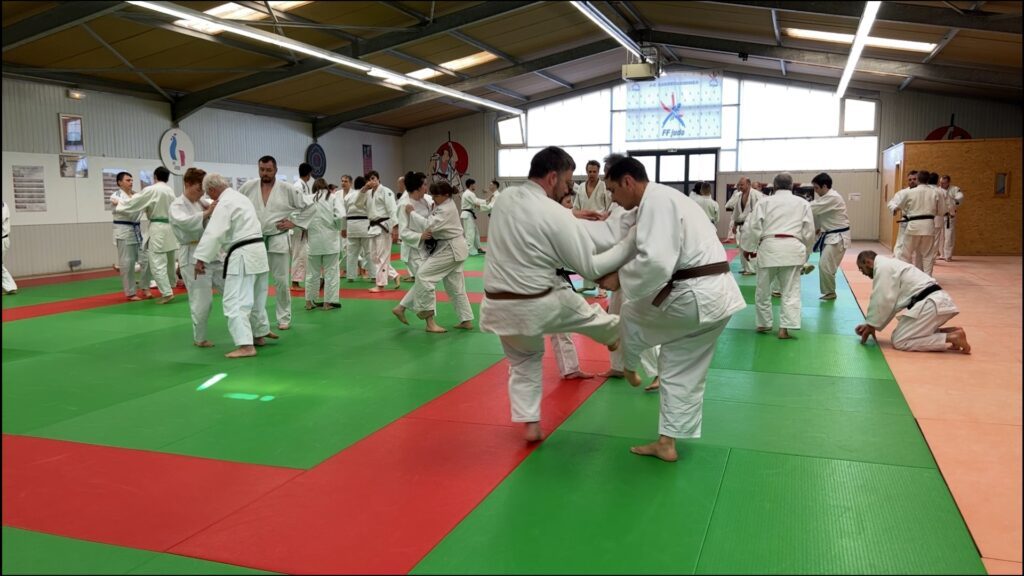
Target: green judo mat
{"x": 810, "y": 460}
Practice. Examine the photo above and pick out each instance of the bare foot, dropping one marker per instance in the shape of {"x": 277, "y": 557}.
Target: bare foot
{"x": 241, "y": 352}
{"x": 632, "y": 377}
{"x": 270, "y": 335}
{"x": 612, "y": 374}
{"x": 764, "y": 329}
{"x": 259, "y": 341}
{"x": 408, "y": 279}
{"x": 283, "y": 326}
{"x": 958, "y": 341}
{"x": 435, "y": 329}
{"x": 831, "y": 296}
{"x": 948, "y": 329}
{"x": 399, "y": 312}
{"x": 654, "y": 385}
{"x": 784, "y": 334}
{"x": 776, "y": 294}
{"x": 377, "y": 289}
{"x": 147, "y": 295}
{"x": 577, "y": 375}
{"x": 614, "y": 346}
{"x": 398, "y": 283}
{"x": 807, "y": 269}
{"x": 467, "y": 325}
{"x": 310, "y": 305}
{"x": 533, "y": 432}
{"x": 134, "y": 298}
{"x": 204, "y": 344}
{"x": 748, "y": 273}
{"x": 165, "y": 299}
{"x": 663, "y": 448}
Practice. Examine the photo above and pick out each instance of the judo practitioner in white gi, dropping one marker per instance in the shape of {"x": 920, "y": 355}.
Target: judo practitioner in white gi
{"x": 299, "y": 238}
{"x": 234, "y": 228}
{"x": 357, "y": 227}
{"x": 323, "y": 220}
{"x": 893, "y": 205}
{"x": 706, "y": 202}
{"x": 411, "y": 225}
{"x": 898, "y": 285}
{"x": 446, "y": 253}
{"x": 592, "y": 195}
{"x": 954, "y": 198}
{"x": 919, "y": 206}
{"x": 781, "y": 235}
{"x": 160, "y": 242}
{"x": 128, "y": 239}
{"x": 10, "y": 286}
{"x": 189, "y": 215}
{"x": 941, "y": 214}
{"x": 380, "y": 210}
{"x": 471, "y": 205}
{"x": 276, "y": 202}
{"x": 833, "y": 226}
{"x": 743, "y": 201}
{"x": 531, "y": 237}
{"x": 679, "y": 294}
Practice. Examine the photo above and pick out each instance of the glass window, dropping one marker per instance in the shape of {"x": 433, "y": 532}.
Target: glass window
{"x": 576, "y": 120}
{"x": 651, "y": 165}
{"x": 779, "y": 111}
{"x": 730, "y": 91}
{"x": 515, "y": 162}
{"x": 850, "y": 153}
{"x": 673, "y": 168}
{"x": 730, "y": 116}
{"x": 702, "y": 166}
{"x": 510, "y": 132}
{"x": 727, "y": 161}
{"x": 858, "y": 115}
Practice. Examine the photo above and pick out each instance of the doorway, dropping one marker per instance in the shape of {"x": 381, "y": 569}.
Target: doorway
{"x": 681, "y": 169}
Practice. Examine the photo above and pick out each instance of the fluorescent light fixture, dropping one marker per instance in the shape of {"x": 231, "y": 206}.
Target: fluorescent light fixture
{"x": 232, "y": 11}
{"x": 458, "y": 64}
{"x": 863, "y": 29}
{"x": 611, "y": 29}
{"x": 388, "y": 76}
{"x": 199, "y": 17}
{"x": 76, "y": 94}
{"x": 873, "y": 41}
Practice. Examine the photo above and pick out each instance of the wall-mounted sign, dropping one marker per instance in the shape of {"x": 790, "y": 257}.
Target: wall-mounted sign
{"x": 317, "y": 158}
{"x": 677, "y": 106}
{"x": 176, "y": 151}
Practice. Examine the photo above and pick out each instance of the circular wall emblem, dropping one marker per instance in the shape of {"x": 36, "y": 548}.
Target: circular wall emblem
{"x": 317, "y": 158}
{"x": 176, "y": 151}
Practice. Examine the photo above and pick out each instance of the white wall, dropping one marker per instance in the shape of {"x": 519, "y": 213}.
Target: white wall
{"x": 123, "y": 132}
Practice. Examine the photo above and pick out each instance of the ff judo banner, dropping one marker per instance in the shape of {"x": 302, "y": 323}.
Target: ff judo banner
{"x": 677, "y": 106}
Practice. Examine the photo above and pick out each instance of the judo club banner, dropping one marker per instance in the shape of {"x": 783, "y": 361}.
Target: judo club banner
{"x": 176, "y": 151}
{"x": 677, "y": 106}
{"x": 449, "y": 163}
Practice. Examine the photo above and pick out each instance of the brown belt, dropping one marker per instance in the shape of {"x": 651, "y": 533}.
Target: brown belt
{"x": 689, "y": 273}
{"x": 784, "y": 236}
{"x": 514, "y": 296}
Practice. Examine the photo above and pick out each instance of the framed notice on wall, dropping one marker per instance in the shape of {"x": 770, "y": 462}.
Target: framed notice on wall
{"x": 29, "y": 189}
{"x": 72, "y": 133}
{"x": 367, "y": 158}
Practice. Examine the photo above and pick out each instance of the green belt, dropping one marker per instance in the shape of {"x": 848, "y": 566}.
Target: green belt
{"x": 164, "y": 220}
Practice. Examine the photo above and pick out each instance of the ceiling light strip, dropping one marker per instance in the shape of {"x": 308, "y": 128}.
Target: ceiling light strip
{"x": 390, "y": 76}
{"x": 863, "y": 29}
{"x": 611, "y": 29}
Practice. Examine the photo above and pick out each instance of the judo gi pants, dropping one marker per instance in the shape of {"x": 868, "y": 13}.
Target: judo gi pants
{"x": 788, "y": 280}
{"x": 746, "y": 264}
{"x": 414, "y": 261}
{"x": 901, "y": 238}
{"x": 281, "y": 278}
{"x": 947, "y": 249}
{"x": 648, "y": 358}
{"x": 332, "y": 282}
{"x": 127, "y": 256}
{"x": 920, "y": 333}
{"x": 200, "y": 295}
{"x": 919, "y": 251}
{"x": 161, "y": 267}
{"x": 828, "y": 264}
{"x": 245, "y": 306}
{"x": 9, "y": 284}
{"x": 472, "y": 234}
{"x": 939, "y": 241}
{"x": 380, "y": 255}
{"x": 299, "y": 249}
{"x": 358, "y": 250}
{"x": 525, "y": 353}
{"x": 423, "y": 296}
{"x": 687, "y": 348}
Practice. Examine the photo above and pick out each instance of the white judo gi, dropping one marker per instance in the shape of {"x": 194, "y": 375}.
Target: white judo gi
{"x": 160, "y": 243}
{"x": 323, "y": 220}
{"x": 357, "y": 225}
{"x": 532, "y": 236}
{"x": 283, "y": 202}
{"x": 245, "y": 271}
{"x": 954, "y": 198}
{"x": 833, "y": 225}
{"x": 444, "y": 264}
{"x": 919, "y": 207}
{"x": 674, "y": 233}
{"x": 380, "y": 209}
{"x": 894, "y": 284}
{"x": 743, "y": 209}
{"x": 128, "y": 239}
{"x": 939, "y": 225}
{"x": 599, "y": 200}
{"x": 299, "y": 239}
{"x": 708, "y": 204}
{"x": 411, "y": 227}
{"x": 9, "y": 284}
{"x": 188, "y": 224}
{"x": 901, "y": 233}
{"x": 781, "y": 233}
{"x": 471, "y": 206}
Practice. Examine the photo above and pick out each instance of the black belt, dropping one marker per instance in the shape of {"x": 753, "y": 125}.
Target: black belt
{"x": 136, "y": 228}
{"x": 923, "y": 294}
{"x": 740, "y": 223}
{"x": 357, "y": 218}
{"x": 918, "y": 217}
{"x": 5, "y": 236}
{"x": 949, "y": 217}
{"x": 567, "y": 276}
{"x": 689, "y": 273}
{"x": 819, "y": 245}
{"x": 473, "y": 214}
{"x": 236, "y": 246}
{"x": 379, "y": 222}
{"x": 430, "y": 244}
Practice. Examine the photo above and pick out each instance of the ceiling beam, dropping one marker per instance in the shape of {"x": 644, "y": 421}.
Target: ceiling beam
{"x": 62, "y": 17}
{"x": 505, "y": 56}
{"x": 84, "y": 81}
{"x": 934, "y": 72}
{"x": 324, "y": 125}
{"x": 899, "y": 12}
{"x": 477, "y": 13}
{"x": 935, "y": 52}
{"x": 125, "y": 61}
{"x": 222, "y": 39}
{"x": 422, "y": 19}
